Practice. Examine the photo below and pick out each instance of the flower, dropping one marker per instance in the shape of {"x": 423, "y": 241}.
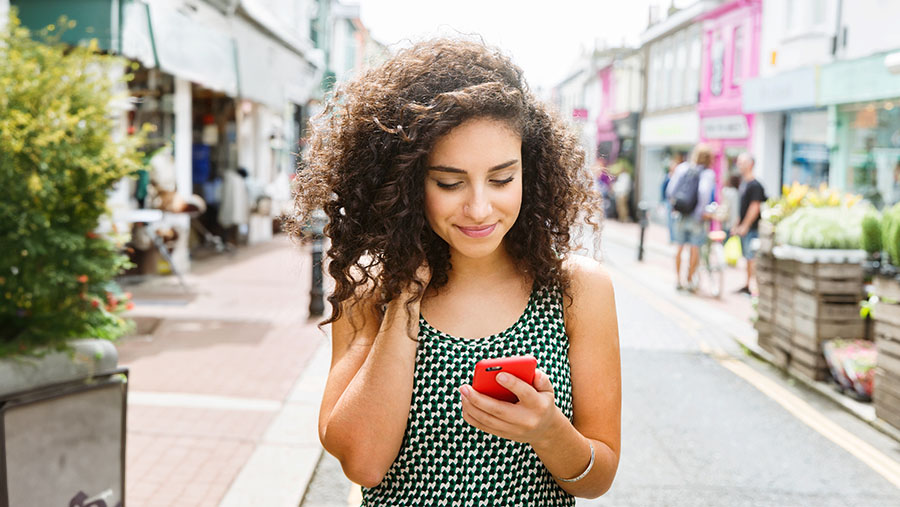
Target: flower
{"x": 83, "y": 278}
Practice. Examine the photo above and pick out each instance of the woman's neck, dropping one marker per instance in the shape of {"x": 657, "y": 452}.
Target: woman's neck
{"x": 491, "y": 269}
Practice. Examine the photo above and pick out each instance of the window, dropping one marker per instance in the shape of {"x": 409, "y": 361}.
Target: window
{"x": 668, "y": 73}
{"x": 681, "y": 72}
{"x": 737, "y": 65}
{"x": 818, "y": 13}
{"x": 693, "y": 86}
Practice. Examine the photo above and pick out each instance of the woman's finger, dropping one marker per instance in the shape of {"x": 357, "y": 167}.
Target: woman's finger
{"x": 542, "y": 382}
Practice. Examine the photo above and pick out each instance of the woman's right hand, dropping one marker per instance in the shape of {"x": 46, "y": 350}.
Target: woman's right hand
{"x": 423, "y": 276}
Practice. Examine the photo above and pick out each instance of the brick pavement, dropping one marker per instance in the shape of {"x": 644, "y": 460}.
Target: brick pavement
{"x": 214, "y": 383}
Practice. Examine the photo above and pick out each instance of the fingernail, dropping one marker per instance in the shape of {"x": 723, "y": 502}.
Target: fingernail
{"x": 464, "y": 390}
{"x": 503, "y": 377}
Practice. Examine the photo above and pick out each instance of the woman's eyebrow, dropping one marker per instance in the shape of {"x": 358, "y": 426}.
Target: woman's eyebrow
{"x": 447, "y": 169}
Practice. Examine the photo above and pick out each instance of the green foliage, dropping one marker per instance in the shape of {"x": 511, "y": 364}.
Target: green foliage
{"x": 890, "y": 232}
{"x": 871, "y": 232}
{"x": 825, "y": 227}
{"x": 59, "y": 157}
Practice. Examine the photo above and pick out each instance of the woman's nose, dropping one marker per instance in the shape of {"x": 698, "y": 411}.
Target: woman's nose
{"x": 478, "y": 206}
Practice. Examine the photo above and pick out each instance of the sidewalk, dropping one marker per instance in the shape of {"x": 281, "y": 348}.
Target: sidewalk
{"x": 658, "y": 252}
{"x": 225, "y": 383}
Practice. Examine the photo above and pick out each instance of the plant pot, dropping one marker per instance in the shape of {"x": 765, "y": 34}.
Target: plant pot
{"x": 62, "y": 419}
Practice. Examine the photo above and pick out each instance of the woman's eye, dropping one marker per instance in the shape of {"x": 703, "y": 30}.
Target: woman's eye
{"x": 500, "y": 183}
{"x": 449, "y": 185}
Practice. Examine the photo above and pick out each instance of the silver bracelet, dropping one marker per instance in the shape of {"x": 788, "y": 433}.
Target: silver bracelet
{"x": 586, "y": 470}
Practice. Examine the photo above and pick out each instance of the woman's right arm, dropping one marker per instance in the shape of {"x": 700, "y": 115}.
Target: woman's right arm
{"x": 367, "y": 397}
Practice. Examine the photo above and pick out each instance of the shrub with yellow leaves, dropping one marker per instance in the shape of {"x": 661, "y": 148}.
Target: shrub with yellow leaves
{"x": 58, "y": 160}
{"x": 798, "y": 196}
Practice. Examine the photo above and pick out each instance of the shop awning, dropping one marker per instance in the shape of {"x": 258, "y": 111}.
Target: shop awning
{"x": 270, "y": 73}
{"x": 195, "y": 45}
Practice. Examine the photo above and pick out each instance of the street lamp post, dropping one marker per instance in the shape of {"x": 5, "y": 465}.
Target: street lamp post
{"x": 316, "y": 230}
{"x": 642, "y": 220}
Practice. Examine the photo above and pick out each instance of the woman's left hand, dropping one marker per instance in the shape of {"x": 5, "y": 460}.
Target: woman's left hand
{"x": 530, "y": 420}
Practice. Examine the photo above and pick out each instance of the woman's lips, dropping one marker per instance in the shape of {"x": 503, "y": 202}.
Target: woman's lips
{"x": 477, "y": 232}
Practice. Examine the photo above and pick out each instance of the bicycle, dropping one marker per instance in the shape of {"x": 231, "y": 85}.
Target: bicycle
{"x": 712, "y": 253}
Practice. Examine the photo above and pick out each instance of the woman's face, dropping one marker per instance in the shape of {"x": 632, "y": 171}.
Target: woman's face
{"x": 473, "y": 188}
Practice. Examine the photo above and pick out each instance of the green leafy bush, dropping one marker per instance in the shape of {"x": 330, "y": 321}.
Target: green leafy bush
{"x": 59, "y": 157}
{"x": 890, "y": 233}
{"x": 871, "y": 232}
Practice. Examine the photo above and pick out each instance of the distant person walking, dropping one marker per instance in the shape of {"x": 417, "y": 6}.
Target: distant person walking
{"x": 677, "y": 159}
{"x": 689, "y": 192}
{"x": 752, "y": 195}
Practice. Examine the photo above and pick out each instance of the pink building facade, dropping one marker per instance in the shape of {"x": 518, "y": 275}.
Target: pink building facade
{"x": 730, "y": 42}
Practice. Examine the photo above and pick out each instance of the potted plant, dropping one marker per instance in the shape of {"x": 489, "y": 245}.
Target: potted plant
{"x": 60, "y": 154}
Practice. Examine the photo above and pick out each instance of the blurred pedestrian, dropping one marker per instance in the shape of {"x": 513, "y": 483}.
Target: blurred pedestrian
{"x": 676, "y": 160}
{"x": 622, "y": 191}
{"x": 689, "y": 192}
{"x": 451, "y": 192}
{"x": 752, "y": 195}
{"x": 731, "y": 200}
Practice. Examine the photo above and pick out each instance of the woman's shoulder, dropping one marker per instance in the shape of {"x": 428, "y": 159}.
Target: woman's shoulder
{"x": 589, "y": 280}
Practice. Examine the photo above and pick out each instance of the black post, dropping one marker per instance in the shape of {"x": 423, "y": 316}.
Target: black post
{"x": 316, "y": 303}
{"x": 316, "y": 292}
{"x": 642, "y": 220}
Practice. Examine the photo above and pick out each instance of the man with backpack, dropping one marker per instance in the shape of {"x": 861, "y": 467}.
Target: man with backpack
{"x": 689, "y": 192}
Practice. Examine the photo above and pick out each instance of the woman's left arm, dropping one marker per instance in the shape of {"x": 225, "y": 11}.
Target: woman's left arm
{"x": 563, "y": 446}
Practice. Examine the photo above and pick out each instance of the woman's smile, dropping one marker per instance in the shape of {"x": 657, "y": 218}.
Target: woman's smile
{"x": 477, "y": 232}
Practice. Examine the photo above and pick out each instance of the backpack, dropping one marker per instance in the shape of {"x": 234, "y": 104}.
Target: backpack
{"x": 684, "y": 195}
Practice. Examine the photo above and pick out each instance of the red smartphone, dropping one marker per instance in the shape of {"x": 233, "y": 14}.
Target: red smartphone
{"x": 485, "y": 378}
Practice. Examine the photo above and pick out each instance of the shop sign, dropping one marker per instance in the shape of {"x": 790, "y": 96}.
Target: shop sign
{"x": 794, "y": 89}
{"x": 725, "y": 127}
{"x": 678, "y": 128}
{"x": 860, "y": 80}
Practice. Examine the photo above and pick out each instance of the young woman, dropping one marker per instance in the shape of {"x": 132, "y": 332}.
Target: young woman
{"x": 451, "y": 193}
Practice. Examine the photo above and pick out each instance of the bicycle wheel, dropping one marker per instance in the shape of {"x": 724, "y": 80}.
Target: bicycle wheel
{"x": 715, "y": 267}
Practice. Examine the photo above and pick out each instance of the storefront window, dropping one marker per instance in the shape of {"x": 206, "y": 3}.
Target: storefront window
{"x": 737, "y": 66}
{"x": 806, "y": 148}
{"x": 872, "y": 157}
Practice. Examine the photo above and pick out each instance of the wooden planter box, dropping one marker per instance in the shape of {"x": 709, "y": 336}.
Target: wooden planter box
{"x": 886, "y": 328}
{"x": 811, "y": 302}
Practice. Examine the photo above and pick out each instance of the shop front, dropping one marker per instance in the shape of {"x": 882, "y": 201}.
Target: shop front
{"x": 786, "y": 115}
{"x": 864, "y": 115}
{"x": 730, "y": 44}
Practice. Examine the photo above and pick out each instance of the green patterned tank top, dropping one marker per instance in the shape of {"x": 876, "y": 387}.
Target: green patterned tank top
{"x": 445, "y": 461}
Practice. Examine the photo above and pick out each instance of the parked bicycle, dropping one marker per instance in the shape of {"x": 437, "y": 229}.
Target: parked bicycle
{"x": 712, "y": 253}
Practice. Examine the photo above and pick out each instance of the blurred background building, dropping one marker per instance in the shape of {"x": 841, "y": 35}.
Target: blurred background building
{"x": 809, "y": 87}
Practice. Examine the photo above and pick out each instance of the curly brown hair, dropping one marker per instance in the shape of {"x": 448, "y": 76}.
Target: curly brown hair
{"x": 367, "y": 158}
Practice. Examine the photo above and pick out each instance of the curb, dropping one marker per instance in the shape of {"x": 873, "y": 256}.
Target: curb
{"x": 863, "y": 412}
{"x": 281, "y": 467}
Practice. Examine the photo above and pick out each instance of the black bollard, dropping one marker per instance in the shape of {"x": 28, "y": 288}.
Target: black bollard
{"x": 642, "y": 220}
{"x": 316, "y": 302}
{"x": 316, "y": 230}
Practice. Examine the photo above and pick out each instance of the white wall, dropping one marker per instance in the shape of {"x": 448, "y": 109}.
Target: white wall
{"x": 767, "y": 137}
{"x": 796, "y": 33}
{"x": 871, "y": 27}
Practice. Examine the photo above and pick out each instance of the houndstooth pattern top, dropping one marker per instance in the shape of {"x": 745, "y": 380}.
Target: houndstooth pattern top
{"x": 445, "y": 461}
